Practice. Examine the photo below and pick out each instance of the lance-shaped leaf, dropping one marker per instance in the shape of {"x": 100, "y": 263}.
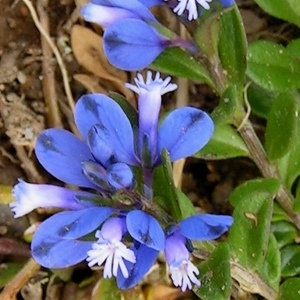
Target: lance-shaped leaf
{"x": 164, "y": 189}
{"x": 145, "y": 229}
{"x": 232, "y": 45}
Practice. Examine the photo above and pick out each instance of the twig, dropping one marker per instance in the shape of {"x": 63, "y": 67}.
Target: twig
{"x": 55, "y": 51}
{"x": 252, "y": 282}
{"x": 14, "y": 286}
{"x": 27, "y": 165}
{"x": 49, "y": 84}
{"x": 284, "y": 197}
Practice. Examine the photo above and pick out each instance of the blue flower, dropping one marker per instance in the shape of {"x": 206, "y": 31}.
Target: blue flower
{"x": 199, "y": 227}
{"x": 31, "y": 196}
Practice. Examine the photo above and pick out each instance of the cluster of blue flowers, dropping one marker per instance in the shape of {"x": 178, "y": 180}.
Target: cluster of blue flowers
{"x": 95, "y": 226}
{"x": 133, "y": 38}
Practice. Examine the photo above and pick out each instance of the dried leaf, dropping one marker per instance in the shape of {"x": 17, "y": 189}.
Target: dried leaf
{"x": 91, "y": 83}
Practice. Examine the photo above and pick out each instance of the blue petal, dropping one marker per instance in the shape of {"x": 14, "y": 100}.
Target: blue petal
{"x": 131, "y": 44}
{"x": 72, "y": 224}
{"x": 102, "y": 148}
{"x": 96, "y": 174}
{"x": 104, "y": 15}
{"x": 226, "y": 3}
{"x": 120, "y": 176}
{"x": 112, "y": 126}
{"x": 145, "y": 229}
{"x": 61, "y": 153}
{"x": 205, "y": 226}
{"x": 184, "y": 132}
{"x": 136, "y": 7}
{"x": 57, "y": 253}
{"x": 145, "y": 258}
{"x": 150, "y": 3}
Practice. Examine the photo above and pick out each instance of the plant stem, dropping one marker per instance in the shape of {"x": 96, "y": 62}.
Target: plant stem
{"x": 259, "y": 156}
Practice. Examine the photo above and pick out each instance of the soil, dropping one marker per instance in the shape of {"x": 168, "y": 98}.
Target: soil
{"x": 34, "y": 96}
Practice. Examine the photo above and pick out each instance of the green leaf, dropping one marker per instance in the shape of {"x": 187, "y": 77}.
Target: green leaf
{"x": 281, "y": 126}
{"x": 287, "y": 10}
{"x": 273, "y": 67}
{"x": 224, "y": 112}
{"x": 186, "y": 206}
{"x": 279, "y": 214}
{"x": 294, "y": 48}
{"x": 249, "y": 234}
{"x": 207, "y": 37}
{"x": 164, "y": 189}
{"x": 290, "y": 289}
{"x": 271, "y": 267}
{"x": 106, "y": 289}
{"x": 290, "y": 257}
{"x": 232, "y": 45}
{"x": 225, "y": 143}
{"x": 177, "y": 62}
{"x": 261, "y": 100}
{"x": 285, "y": 233}
{"x": 289, "y": 165}
{"x": 215, "y": 275}
{"x": 8, "y": 271}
